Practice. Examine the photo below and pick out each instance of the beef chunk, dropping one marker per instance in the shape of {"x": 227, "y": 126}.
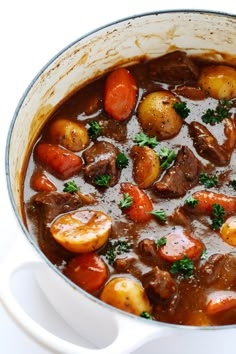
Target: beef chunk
{"x": 100, "y": 160}
{"x": 122, "y": 265}
{"x": 158, "y": 284}
{"x": 207, "y": 146}
{"x": 174, "y": 68}
{"x": 181, "y": 177}
{"x": 147, "y": 248}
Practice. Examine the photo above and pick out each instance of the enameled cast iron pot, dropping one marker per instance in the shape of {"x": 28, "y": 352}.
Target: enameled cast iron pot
{"x": 111, "y": 331}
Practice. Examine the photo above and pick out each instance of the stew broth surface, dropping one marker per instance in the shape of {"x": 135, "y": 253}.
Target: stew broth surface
{"x": 188, "y": 303}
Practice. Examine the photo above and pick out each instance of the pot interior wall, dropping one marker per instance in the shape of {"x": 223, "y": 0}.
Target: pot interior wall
{"x": 147, "y": 36}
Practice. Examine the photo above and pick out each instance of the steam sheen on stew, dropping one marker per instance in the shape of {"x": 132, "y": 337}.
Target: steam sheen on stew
{"x": 130, "y": 190}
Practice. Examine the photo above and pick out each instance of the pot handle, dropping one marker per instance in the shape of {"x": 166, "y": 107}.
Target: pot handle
{"x": 130, "y": 333}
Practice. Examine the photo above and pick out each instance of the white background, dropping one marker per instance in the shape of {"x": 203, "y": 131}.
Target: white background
{"x": 31, "y": 33}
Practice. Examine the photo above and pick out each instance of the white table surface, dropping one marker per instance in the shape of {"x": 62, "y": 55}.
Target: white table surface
{"x": 32, "y": 32}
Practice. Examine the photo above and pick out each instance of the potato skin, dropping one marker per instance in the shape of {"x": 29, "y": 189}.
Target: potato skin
{"x": 228, "y": 231}
{"x": 127, "y": 295}
{"x": 157, "y": 115}
{"x": 218, "y": 81}
{"x": 146, "y": 165}
{"x": 69, "y": 134}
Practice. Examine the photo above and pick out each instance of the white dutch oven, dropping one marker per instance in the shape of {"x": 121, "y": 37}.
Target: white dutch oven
{"x": 109, "y": 330}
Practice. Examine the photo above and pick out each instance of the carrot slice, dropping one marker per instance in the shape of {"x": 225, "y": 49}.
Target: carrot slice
{"x": 88, "y": 271}
{"x": 220, "y": 301}
{"x": 141, "y": 206}
{"x": 59, "y": 161}
{"x": 207, "y": 198}
{"x": 41, "y": 183}
{"x": 178, "y": 244}
{"x": 120, "y": 94}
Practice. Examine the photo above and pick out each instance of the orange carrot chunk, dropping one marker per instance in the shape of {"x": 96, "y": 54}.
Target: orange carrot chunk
{"x": 120, "y": 94}
{"x": 179, "y": 244}
{"x": 41, "y": 183}
{"x": 220, "y": 301}
{"x": 59, "y": 161}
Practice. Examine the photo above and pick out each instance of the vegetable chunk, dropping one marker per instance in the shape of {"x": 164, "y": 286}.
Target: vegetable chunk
{"x": 157, "y": 115}
{"x": 127, "y": 295}
{"x": 220, "y": 301}
{"x": 82, "y": 231}
{"x": 228, "y": 231}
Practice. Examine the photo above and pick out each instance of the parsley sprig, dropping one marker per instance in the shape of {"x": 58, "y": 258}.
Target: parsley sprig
{"x": 116, "y": 248}
{"x": 182, "y": 109}
{"x": 102, "y": 181}
{"x": 217, "y": 115}
{"x": 183, "y": 266}
{"x": 121, "y": 161}
{"x": 191, "y": 202}
{"x": 71, "y": 187}
{"x": 161, "y": 242}
{"x": 126, "y": 202}
{"x": 146, "y": 315}
{"x": 208, "y": 181}
{"x": 218, "y": 213}
{"x": 143, "y": 140}
{"x": 94, "y": 129}
{"x": 160, "y": 214}
{"x": 167, "y": 156}
{"x": 233, "y": 184}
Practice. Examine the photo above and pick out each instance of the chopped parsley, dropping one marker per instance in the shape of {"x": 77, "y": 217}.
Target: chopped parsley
{"x": 126, "y": 202}
{"x": 94, "y": 129}
{"x": 143, "y": 140}
{"x": 115, "y": 248}
{"x": 121, "y": 161}
{"x": 208, "y": 181}
{"x": 161, "y": 242}
{"x": 167, "y": 156}
{"x": 233, "y": 184}
{"x": 218, "y": 213}
{"x": 182, "y": 109}
{"x": 160, "y": 214}
{"x": 226, "y": 103}
{"x": 71, "y": 187}
{"x": 204, "y": 254}
{"x": 146, "y": 315}
{"x": 183, "y": 266}
{"x": 213, "y": 116}
{"x": 102, "y": 181}
{"x": 191, "y": 202}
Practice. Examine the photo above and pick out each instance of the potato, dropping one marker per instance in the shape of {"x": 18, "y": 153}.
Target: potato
{"x": 228, "y": 231}
{"x": 157, "y": 115}
{"x": 82, "y": 231}
{"x": 127, "y": 295}
{"x": 69, "y": 134}
{"x": 218, "y": 81}
{"x": 146, "y": 165}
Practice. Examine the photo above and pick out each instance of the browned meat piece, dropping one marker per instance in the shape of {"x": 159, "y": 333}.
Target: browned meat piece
{"x": 114, "y": 129}
{"x": 181, "y": 177}
{"x": 220, "y": 270}
{"x": 123, "y": 264}
{"x": 100, "y": 160}
{"x": 158, "y": 284}
{"x": 207, "y": 146}
{"x": 147, "y": 247}
{"x": 179, "y": 217}
{"x": 174, "y": 68}
{"x": 191, "y": 92}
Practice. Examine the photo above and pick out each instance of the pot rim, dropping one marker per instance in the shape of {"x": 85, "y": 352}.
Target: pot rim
{"x": 7, "y": 170}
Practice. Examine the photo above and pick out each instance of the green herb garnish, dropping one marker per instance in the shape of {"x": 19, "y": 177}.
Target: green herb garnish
{"x": 146, "y": 315}
{"x": 143, "y": 140}
{"x": 126, "y": 202}
{"x": 121, "y": 161}
{"x": 204, "y": 254}
{"x": 71, "y": 187}
{"x": 161, "y": 242}
{"x": 183, "y": 266}
{"x": 160, "y": 214}
{"x": 182, "y": 109}
{"x": 233, "y": 184}
{"x": 208, "y": 181}
{"x": 226, "y": 103}
{"x": 218, "y": 213}
{"x": 213, "y": 116}
{"x": 102, "y": 181}
{"x": 116, "y": 248}
{"x": 167, "y": 156}
{"x": 94, "y": 129}
{"x": 191, "y": 202}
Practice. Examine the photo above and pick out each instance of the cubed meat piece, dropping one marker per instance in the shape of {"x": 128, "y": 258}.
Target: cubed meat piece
{"x": 174, "y": 68}
{"x": 147, "y": 248}
{"x": 181, "y": 177}
{"x": 100, "y": 160}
